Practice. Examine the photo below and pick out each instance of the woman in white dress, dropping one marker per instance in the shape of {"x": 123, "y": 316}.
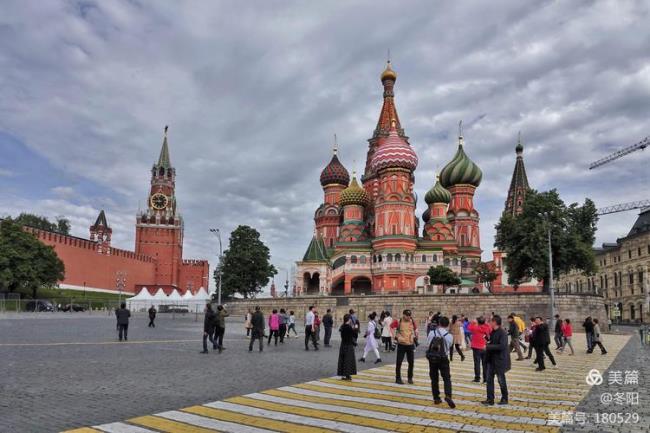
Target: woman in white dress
{"x": 371, "y": 342}
{"x": 387, "y": 335}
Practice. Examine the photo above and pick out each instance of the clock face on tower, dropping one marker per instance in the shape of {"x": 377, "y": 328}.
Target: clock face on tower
{"x": 159, "y": 201}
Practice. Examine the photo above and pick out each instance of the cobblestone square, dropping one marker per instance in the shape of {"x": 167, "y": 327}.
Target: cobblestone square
{"x": 63, "y": 372}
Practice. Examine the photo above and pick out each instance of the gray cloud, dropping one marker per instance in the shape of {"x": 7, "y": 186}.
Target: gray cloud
{"x": 254, "y": 92}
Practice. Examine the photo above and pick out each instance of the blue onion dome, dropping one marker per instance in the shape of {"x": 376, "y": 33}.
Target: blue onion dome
{"x": 437, "y": 194}
{"x": 354, "y": 194}
{"x": 460, "y": 170}
{"x": 426, "y": 215}
{"x": 334, "y": 173}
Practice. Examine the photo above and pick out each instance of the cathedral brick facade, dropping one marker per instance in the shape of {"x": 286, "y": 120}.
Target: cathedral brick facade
{"x": 93, "y": 264}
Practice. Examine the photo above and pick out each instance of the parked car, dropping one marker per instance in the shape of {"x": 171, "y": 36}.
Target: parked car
{"x": 173, "y": 309}
{"x": 74, "y": 307}
{"x": 39, "y": 305}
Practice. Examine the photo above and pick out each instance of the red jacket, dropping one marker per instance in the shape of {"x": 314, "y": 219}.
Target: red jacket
{"x": 567, "y": 330}
{"x": 480, "y": 334}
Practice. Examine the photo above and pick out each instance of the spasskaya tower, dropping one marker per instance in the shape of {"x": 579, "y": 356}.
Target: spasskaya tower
{"x": 159, "y": 229}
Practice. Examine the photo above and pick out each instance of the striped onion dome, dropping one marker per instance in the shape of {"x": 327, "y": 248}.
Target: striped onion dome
{"x": 437, "y": 194}
{"x": 334, "y": 173}
{"x": 393, "y": 152}
{"x": 460, "y": 170}
{"x": 354, "y": 194}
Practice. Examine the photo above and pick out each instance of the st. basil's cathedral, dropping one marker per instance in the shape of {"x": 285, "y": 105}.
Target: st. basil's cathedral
{"x": 367, "y": 238}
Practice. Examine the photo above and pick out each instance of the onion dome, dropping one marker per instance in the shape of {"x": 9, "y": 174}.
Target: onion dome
{"x": 388, "y": 73}
{"x": 354, "y": 194}
{"x": 393, "y": 152}
{"x": 426, "y": 215}
{"x": 334, "y": 173}
{"x": 520, "y": 147}
{"x": 437, "y": 194}
{"x": 461, "y": 169}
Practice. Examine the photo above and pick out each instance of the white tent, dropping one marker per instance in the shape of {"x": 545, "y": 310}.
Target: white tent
{"x": 140, "y": 301}
{"x": 202, "y": 295}
{"x": 174, "y": 296}
{"x": 187, "y": 296}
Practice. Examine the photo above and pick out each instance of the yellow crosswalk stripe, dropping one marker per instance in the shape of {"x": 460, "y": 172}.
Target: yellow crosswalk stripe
{"x": 168, "y": 426}
{"x": 83, "y": 430}
{"x": 497, "y": 410}
{"x": 246, "y": 419}
{"x": 406, "y": 412}
{"x": 352, "y": 419}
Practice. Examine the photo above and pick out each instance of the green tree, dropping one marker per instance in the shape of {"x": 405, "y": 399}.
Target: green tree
{"x": 26, "y": 264}
{"x": 246, "y": 267}
{"x": 443, "y": 275}
{"x": 62, "y": 225}
{"x": 524, "y": 238}
{"x": 486, "y": 273}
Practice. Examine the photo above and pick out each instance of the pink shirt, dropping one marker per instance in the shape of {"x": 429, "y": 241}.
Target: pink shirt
{"x": 274, "y": 322}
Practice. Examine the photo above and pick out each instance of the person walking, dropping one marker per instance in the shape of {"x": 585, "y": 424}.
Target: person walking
{"x": 316, "y": 325}
{"x": 439, "y": 343}
{"x": 387, "y": 333}
{"x": 457, "y": 331}
{"x": 220, "y": 327}
{"x": 480, "y": 332}
{"x": 310, "y": 331}
{"x": 247, "y": 322}
{"x": 328, "y": 324}
{"x": 257, "y": 329}
{"x": 557, "y": 337}
{"x": 513, "y": 331}
{"x": 498, "y": 362}
{"x": 567, "y": 334}
{"x": 347, "y": 365}
{"x": 468, "y": 335}
{"x": 152, "y": 316}
{"x": 284, "y": 320}
{"x": 589, "y": 333}
{"x": 406, "y": 336}
{"x": 371, "y": 342}
{"x": 209, "y": 319}
{"x": 274, "y": 327}
{"x": 122, "y": 315}
{"x": 292, "y": 325}
{"x": 530, "y": 331}
{"x": 541, "y": 341}
{"x": 355, "y": 324}
{"x": 597, "y": 339}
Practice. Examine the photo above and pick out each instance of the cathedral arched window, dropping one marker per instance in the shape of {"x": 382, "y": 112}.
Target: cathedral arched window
{"x": 398, "y": 257}
{"x": 446, "y": 262}
{"x": 389, "y": 258}
{"x": 455, "y": 262}
{"x": 353, "y": 260}
{"x": 362, "y": 260}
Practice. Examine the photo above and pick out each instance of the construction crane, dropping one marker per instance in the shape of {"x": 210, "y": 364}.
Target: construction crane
{"x": 622, "y": 207}
{"x": 620, "y": 153}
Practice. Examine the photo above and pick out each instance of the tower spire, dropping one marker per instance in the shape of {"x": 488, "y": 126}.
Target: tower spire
{"x": 460, "y": 133}
{"x": 336, "y": 145}
{"x": 518, "y": 184}
{"x": 163, "y": 159}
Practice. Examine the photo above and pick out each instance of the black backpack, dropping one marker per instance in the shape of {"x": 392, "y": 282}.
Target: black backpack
{"x": 437, "y": 350}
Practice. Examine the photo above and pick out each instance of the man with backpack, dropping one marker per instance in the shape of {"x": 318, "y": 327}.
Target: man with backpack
{"x": 406, "y": 334}
{"x": 440, "y": 341}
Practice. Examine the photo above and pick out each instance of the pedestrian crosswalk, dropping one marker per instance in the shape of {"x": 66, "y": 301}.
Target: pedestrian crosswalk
{"x": 373, "y": 402}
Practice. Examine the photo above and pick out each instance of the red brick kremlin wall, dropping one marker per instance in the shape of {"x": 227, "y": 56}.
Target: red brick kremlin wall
{"x": 85, "y": 266}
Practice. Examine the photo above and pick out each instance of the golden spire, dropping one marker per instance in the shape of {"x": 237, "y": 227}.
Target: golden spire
{"x": 388, "y": 73}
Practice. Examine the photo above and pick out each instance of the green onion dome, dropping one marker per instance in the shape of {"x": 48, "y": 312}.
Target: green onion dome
{"x": 460, "y": 170}
{"x": 426, "y": 215}
{"x": 354, "y": 194}
{"x": 334, "y": 173}
{"x": 437, "y": 194}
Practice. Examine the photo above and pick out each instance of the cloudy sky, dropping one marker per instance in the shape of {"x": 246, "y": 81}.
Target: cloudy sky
{"x": 254, "y": 91}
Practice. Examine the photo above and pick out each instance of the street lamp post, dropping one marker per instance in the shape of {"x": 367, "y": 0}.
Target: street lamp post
{"x": 218, "y": 234}
{"x": 120, "y": 281}
{"x": 551, "y": 291}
